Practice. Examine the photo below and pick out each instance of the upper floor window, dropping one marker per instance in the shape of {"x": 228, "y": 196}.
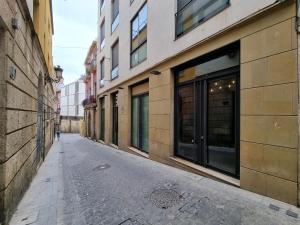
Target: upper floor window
{"x": 102, "y": 70}
{"x": 139, "y": 37}
{"x": 102, "y": 35}
{"x": 115, "y": 15}
{"x": 191, "y": 13}
{"x": 115, "y": 60}
{"x": 102, "y": 3}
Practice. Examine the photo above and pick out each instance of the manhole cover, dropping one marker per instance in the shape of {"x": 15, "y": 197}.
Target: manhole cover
{"x": 165, "y": 198}
{"x": 101, "y": 167}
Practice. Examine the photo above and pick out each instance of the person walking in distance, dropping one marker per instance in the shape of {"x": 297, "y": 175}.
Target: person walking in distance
{"x": 58, "y": 134}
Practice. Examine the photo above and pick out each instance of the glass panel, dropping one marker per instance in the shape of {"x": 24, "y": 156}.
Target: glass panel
{"x": 221, "y": 124}
{"x": 224, "y": 62}
{"x": 185, "y": 117}
{"x": 134, "y": 28}
{"x": 115, "y": 9}
{"x": 135, "y": 119}
{"x": 142, "y": 52}
{"x": 134, "y": 58}
{"x": 145, "y": 123}
{"x": 195, "y": 12}
{"x": 115, "y": 55}
{"x": 143, "y": 17}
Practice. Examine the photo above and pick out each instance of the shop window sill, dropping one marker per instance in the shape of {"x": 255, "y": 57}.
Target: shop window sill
{"x": 113, "y": 145}
{"x": 206, "y": 172}
{"x": 143, "y": 154}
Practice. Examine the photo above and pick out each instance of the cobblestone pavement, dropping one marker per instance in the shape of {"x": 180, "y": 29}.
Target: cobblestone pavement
{"x": 86, "y": 183}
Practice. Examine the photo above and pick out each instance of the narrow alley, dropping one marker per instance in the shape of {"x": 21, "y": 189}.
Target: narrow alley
{"x": 84, "y": 182}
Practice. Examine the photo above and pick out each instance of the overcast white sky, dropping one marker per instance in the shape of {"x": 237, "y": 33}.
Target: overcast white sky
{"x": 75, "y": 27}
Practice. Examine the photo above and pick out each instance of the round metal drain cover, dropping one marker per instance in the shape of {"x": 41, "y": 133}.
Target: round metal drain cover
{"x": 164, "y": 198}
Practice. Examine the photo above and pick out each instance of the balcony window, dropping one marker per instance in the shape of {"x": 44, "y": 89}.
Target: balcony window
{"x": 191, "y": 13}
{"x": 115, "y": 15}
{"x": 115, "y": 60}
{"x": 102, "y": 35}
{"x": 139, "y": 37}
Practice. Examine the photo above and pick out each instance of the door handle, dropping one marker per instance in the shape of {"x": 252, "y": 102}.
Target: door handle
{"x": 202, "y": 138}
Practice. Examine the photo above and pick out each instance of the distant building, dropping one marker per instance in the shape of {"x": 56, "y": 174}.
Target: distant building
{"x": 90, "y": 80}
{"x": 71, "y": 109}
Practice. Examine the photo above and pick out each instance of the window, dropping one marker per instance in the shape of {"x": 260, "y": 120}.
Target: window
{"x": 115, "y": 60}
{"x": 140, "y": 122}
{"x": 191, "y": 13}
{"x": 95, "y": 89}
{"x": 115, "y": 15}
{"x": 102, "y": 118}
{"x": 139, "y": 37}
{"x": 102, "y": 3}
{"x": 102, "y": 71}
{"x": 102, "y": 35}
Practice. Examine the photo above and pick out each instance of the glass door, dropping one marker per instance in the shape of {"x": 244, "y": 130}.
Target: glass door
{"x": 222, "y": 124}
{"x": 115, "y": 119}
{"x": 185, "y": 119}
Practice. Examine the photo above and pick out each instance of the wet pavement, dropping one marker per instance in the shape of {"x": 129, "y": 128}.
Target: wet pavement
{"x": 86, "y": 183}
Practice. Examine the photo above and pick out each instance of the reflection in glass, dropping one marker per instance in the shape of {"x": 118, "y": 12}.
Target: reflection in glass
{"x": 186, "y": 110}
{"x": 221, "y": 124}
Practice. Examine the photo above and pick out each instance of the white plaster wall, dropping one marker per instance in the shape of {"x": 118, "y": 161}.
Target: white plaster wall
{"x": 161, "y": 43}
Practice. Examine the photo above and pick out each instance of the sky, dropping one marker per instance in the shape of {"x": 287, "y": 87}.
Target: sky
{"x": 75, "y": 28}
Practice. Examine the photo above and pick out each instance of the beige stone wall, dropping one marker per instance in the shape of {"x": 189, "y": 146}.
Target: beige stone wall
{"x": 269, "y": 103}
{"x": 18, "y": 106}
{"x": 70, "y": 126}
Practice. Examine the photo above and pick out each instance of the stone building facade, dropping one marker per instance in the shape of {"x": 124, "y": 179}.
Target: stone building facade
{"x": 26, "y": 101}
{"x": 90, "y": 80}
{"x": 213, "y": 90}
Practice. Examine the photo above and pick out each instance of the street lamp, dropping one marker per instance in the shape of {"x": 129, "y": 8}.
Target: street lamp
{"x": 58, "y": 73}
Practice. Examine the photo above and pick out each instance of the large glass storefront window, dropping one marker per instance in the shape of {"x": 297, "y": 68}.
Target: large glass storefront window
{"x": 207, "y": 112}
{"x": 140, "y": 122}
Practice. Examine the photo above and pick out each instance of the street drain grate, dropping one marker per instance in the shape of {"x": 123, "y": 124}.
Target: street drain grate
{"x": 101, "y": 167}
{"x": 165, "y": 198}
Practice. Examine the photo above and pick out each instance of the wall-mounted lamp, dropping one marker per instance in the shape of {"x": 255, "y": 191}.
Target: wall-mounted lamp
{"x": 58, "y": 74}
{"x": 155, "y": 72}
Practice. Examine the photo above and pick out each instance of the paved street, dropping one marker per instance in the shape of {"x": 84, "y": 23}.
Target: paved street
{"x": 83, "y": 182}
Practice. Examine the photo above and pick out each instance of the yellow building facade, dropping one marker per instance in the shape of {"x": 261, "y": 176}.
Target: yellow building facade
{"x": 43, "y": 24}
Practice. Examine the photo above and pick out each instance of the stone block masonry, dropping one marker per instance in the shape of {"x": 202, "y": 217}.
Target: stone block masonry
{"x": 21, "y": 153}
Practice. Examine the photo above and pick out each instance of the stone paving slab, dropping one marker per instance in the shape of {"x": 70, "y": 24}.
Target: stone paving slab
{"x": 86, "y": 183}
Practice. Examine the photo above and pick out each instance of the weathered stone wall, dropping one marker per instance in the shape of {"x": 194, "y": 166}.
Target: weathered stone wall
{"x": 19, "y": 160}
{"x": 70, "y": 125}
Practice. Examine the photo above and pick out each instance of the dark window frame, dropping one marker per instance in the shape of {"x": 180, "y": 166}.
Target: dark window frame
{"x": 140, "y": 31}
{"x": 140, "y": 119}
{"x": 113, "y": 17}
{"x": 112, "y": 58}
{"x": 204, "y": 19}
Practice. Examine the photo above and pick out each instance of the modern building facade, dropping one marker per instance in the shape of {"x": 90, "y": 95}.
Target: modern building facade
{"x": 90, "y": 80}
{"x": 27, "y": 97}
{"x": 71, "y": 109}
{"x": 207, "y": 86}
